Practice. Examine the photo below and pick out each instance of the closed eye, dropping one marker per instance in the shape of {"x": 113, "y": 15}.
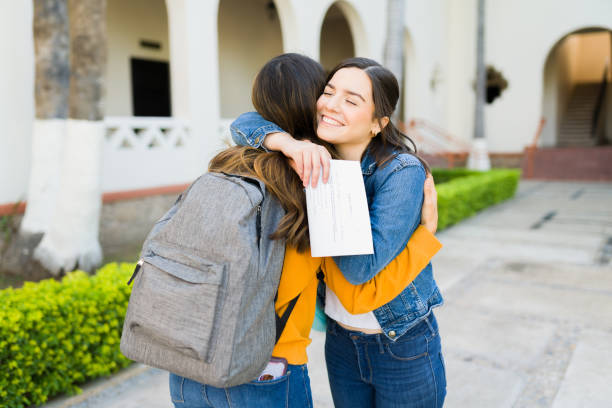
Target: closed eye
{"x": 351, "y": 102}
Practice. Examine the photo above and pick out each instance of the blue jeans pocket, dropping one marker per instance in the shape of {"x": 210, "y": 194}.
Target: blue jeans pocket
{"x": 284, "y": 378}
{"x": 176, "y": 388}
{"x": 409, "y": 349}
{"x": 271, "y": 393}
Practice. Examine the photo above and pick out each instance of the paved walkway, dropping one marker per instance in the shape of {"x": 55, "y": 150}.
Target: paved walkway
{"x": 528, "y": 314}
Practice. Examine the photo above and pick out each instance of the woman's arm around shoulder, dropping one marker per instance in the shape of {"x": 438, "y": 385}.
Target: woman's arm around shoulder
{"x": 251, "y": 129}
{"x": 395, "y": 211}
{"x": 389, "y": 282}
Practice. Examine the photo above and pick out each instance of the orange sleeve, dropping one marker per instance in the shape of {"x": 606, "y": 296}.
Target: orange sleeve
{"x": 389, "y": 282}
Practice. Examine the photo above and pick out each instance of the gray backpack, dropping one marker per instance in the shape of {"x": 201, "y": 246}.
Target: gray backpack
{"x": 202, "y": 304}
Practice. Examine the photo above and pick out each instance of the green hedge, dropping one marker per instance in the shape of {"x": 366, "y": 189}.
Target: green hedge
{"x": 55, "y": 335}
{"x": 445, "y": 175}
{"x": 466, "y": 192}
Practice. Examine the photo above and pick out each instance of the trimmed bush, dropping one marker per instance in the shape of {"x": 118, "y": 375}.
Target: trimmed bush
{"x": 55, "y": 335}
{"x": 462, "y": 196}
{"x": 445, "y": 175}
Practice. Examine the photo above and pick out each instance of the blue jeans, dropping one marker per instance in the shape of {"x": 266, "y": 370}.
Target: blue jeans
{"x": 369, "y": 370}
{"x": 291, "y": 390}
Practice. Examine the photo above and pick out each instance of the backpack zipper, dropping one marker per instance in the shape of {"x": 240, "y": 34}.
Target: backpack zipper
{"x": 258, "y": 225}
{"x": 136, "y": 269}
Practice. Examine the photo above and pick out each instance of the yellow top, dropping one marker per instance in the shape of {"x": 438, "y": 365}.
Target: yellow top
{"x": 299, "y": 275}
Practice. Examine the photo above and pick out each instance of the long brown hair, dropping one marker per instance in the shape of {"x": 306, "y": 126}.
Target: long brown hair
{"x": 385, "y": 93}
{"x": 280, "y": 179}
{"x": 285, "y": 92}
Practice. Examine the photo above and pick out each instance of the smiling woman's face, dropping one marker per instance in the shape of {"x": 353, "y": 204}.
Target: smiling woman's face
{"x": 345, "y": 113}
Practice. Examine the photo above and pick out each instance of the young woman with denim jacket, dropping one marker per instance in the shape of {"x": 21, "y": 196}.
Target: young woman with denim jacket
{"x": 390, "y": 357}
{"x": 299, "y": 269}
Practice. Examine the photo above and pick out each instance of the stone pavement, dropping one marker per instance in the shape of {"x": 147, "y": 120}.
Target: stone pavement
{"x": 528, "y": 314}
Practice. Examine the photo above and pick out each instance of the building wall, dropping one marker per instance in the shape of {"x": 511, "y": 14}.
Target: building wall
{"x": 249, "y": 35}
{"x": 16, "y": 98}
{"x": 520, "y": 36}
{"x": 336, "y": 40}
{"x": 427, "y": 60}
{"x": 460, "y": 47}
{"x": 593, "y": 50}
{"x": 128, "y": 22}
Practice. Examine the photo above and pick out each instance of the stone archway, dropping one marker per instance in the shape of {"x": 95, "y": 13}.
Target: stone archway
{"x": 572, "y": 78}
{"x": 342, "y": 35}
{"x": 249, "y": 35}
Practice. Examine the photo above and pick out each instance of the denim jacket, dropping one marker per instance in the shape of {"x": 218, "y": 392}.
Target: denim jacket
{"x": 395, "y": 197}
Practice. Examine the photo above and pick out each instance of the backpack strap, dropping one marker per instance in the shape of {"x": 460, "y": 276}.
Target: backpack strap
{"x": 321, "y": 275}
{"x": 281, "y": 321}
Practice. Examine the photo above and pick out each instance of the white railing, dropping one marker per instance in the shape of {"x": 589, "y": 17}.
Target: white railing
{"x": 138, "y": 133}
{"x": 144, "y": 152}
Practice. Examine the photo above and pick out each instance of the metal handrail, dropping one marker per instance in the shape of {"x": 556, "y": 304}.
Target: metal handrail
{"x": 530, "y": 149}
{"x": 443, "y": 139}
{"x": 536, "y": 137}
{"x": 600, "y": 100}
{"x": 434, "y": 141}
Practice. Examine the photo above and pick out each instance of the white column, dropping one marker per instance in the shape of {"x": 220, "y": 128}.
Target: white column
{"x": 311, "y": 14}
{"x": 16, "y": 98}
{"x": 194, "y": 73}
{"x": 289, "y": 26}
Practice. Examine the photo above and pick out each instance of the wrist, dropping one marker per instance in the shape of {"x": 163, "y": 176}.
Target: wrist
{"x": 277, "y": 141}
{"x": 430, "y": 226}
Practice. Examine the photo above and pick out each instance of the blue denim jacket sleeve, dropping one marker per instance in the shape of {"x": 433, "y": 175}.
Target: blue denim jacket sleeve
{"x": 395, "y": 213}
{"x": 250, "y": 129}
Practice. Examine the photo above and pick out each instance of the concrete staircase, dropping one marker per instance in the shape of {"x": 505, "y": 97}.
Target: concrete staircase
{"x": 576, "y": 124}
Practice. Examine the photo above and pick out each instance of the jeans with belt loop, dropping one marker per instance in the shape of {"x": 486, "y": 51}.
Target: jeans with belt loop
{"x": 369, "y": 370}
{"x": 289, "y": 391}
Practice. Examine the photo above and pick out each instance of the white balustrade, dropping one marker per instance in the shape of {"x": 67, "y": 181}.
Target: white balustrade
{"x": 138, "y": 133}
{"x": 145, "y": 152}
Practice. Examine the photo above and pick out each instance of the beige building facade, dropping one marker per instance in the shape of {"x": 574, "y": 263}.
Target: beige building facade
{"x": 179, "y": 71}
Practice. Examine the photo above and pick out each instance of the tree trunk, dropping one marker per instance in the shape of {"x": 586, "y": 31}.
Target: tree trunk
{"x": 72, "y": 239}
{"x": 479, "y": 157}
{"x": 394, "y": 47}
{"x": 87, "y": 59}
{"x": 52, "y": 87}
{"x": 51, "y": 93}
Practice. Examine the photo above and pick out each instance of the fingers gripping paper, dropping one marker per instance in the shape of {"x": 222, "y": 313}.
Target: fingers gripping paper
{"x": 338, "y": 216}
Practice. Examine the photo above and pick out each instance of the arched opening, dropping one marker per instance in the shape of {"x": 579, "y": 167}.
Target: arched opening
{"x": 577, "y": 97}
{"x": 249, "y": 35}
{"x": 138, "y": 65}
{"x": 336, "y": 42}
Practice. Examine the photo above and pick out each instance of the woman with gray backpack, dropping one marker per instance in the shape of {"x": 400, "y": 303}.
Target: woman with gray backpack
{"x": 195, "y": 311}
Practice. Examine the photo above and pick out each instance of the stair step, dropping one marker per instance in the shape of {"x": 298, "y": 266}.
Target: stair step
{"x": 575, "y": 130}
{"x": 583, "y": 136}
{"x": 583, "y": 131}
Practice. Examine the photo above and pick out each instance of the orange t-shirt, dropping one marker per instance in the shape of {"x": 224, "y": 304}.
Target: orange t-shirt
{"x": 299, "y": 276}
